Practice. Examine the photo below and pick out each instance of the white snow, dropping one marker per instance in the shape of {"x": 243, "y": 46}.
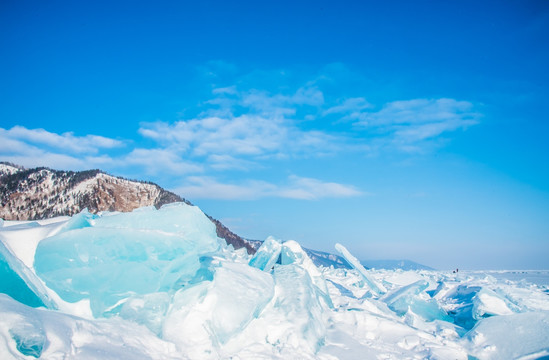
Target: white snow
{"x": 159, "y": 284}
{"x": 512, "y": 336}
{"x": 6, "y": 169}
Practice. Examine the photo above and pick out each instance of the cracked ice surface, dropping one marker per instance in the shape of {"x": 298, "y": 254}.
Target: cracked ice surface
{"x": 159, "y": 284}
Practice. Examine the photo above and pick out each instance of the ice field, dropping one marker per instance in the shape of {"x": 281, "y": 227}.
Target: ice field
{"x": 159, "y": 284}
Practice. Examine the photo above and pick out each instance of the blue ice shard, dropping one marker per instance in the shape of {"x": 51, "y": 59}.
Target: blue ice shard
{"x": 79, "y": 221}
{"x": 376, "y": 287}
{"x": 293, "y": 253}
{"x": 126, "y": 255}
{"x": 409, "y": 298}
{"x": 20, "y": 282}
{"x": 14, "y": 285}
{"x": 488, "y": 303}
{"x": 106, "y": 265}
{"x": 204, "y": 316}
{"x": 267, "y": 254}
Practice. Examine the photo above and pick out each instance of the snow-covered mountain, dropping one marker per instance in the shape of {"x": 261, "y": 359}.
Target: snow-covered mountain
{"x": 41, "y": 193}
{"x": 29, "y": 194}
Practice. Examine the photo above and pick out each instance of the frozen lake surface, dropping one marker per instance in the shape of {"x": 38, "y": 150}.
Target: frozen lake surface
{"x": 539, "y": 277}
{"x": 160, "y": 284}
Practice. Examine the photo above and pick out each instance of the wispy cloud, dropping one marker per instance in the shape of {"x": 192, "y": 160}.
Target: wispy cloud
{"x": 228, "y": 162}
{"x": 228, "y": 100}
{"x": 310, "y": 189}
{"x": 411, "y": 125}
{"x": 408, "y": 125}
{"x": 351, "y": 108}
{"x": 295, "y": 188}
{"x": 243, "y": 138}
{"x": 39, "y": 147}
{"x": 157, "y": 161}
{"x": 420, "y": 111}
{"x": 242, "y": 128}
{"x": 66, "y": 141}
{"x": 243, "y": 135}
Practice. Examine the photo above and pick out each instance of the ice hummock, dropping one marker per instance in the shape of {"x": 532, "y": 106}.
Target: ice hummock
{"x": 160, "y": 284}
{"x": 124, "y": 255}
{"x": 106, "y": 265}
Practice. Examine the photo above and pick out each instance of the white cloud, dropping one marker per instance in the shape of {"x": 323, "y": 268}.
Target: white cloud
{"x": 421, "y": 111}
{"x": 310, "y": 189}
{"x": 12, "y": 146}
{"x": 228, "y": 162}
{"x": 262, "y": 102}
{"x": 38, "y": 147}
{"x": 208, "y": 188}
{"x": 244, "y": 136}
{"x": 65, "y": 142}
{"x": 34, "y": 157}
{"x": 296, "y": 188}
{"x": 413, "y": 125}
{"x": 419, "y": 132}
{"x": 158, "y": 161}
{"x": 408, "y": 121}
{"x": 240, "y": 128}
{"x": 243, "y": 130}
{"x": 275, "y": 106}
{"x": 230, "y": 90}
{"x": 51, "y": 160}
{"x": 352, "y": 107}
{"x": 308, "y": 96}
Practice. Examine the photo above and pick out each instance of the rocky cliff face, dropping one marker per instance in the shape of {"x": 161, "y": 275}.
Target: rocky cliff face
{"x": 31, "y": 194}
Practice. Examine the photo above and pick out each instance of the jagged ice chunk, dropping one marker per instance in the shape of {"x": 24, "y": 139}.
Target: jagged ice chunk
{"x": 376, "y": 287}
{"x": 267, "y": 254}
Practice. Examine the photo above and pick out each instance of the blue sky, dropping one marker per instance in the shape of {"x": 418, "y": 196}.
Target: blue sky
{"x": 401, "y": 129}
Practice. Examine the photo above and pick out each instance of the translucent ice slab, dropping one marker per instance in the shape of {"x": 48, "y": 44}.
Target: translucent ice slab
{"x": 409, "y": 297}
{"x": 20, "y": 282}
{"x": 267, "y": 254}
{"x": 487, "y": 303}
{"x": 293, "y": 253}
{"x": 126, "y": 254}
{"x": 176, "y": 218}
{"x": 295, "y": 298}
{"x": 108, "y": 265}
{"x": 203, "y": 317}
{"x": 79, "y": 221}
{"x": 376, "y": 287}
